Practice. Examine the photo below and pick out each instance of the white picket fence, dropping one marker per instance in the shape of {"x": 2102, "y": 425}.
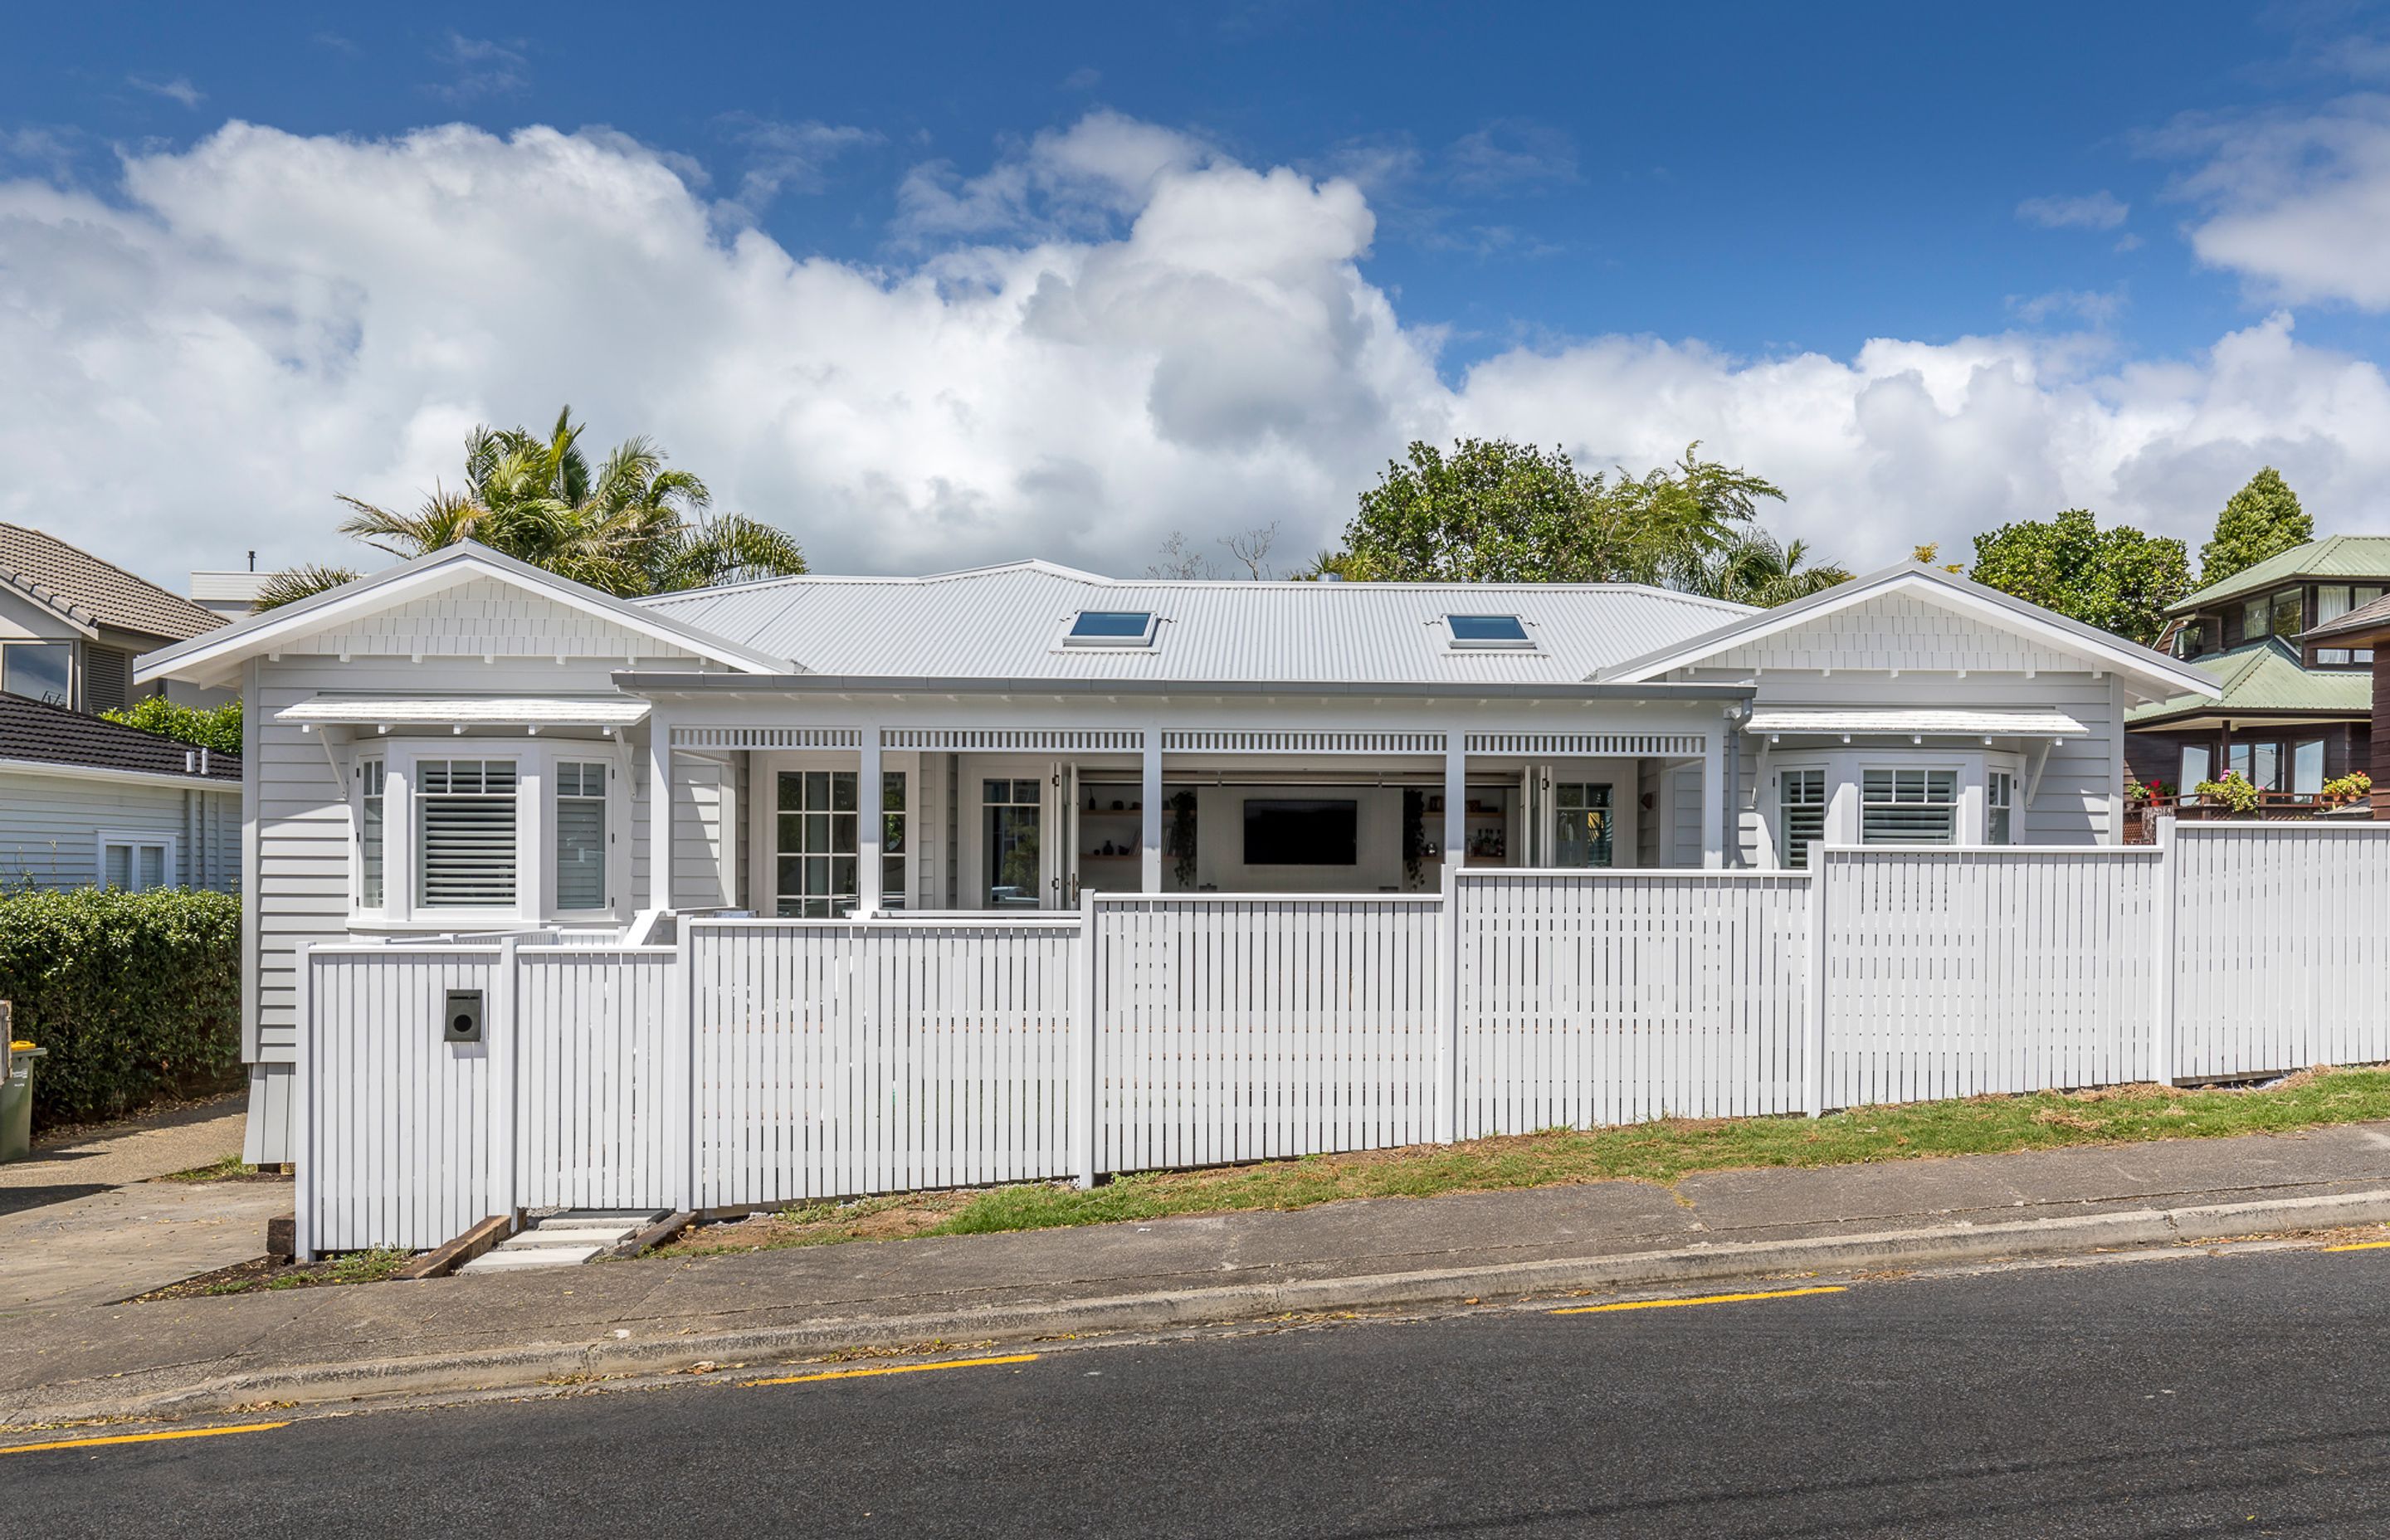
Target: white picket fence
{"x": 757, "y": 1062}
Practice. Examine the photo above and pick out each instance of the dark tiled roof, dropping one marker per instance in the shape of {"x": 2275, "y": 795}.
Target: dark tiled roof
{"x": 93, "y": 591}
{"x": 52, "y": 735}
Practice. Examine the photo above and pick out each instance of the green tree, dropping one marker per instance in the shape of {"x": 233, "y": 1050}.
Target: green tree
{"x": 1752, "y": 568}
{"x": 627, "y": 525}
{"x": 2117, "y": 578}
{"x": 2261, "y": 519}
{"x": 216, "y": 728}
{"x": 1494, "y": 511}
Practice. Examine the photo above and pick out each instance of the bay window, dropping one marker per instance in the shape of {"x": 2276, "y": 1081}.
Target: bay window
{"x": 581, "y": 835}
{"x": 465, "y": 833}
{"x": 1908, "y": 807}
{"x": 1999, "y": 808}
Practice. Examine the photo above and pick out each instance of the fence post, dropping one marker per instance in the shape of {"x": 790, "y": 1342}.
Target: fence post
{"x": 306, "y": 1173}
{"x": 680, "y": 1102}
{"x": 504, "y": 1025}
{"x": 1813, "y": 1034}
{"x": 2167, "y": 898}
{"x": 1447, "y": 1011}
{"x": 1087, "y": 1115}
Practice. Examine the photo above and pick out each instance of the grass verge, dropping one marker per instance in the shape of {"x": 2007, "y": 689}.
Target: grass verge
{"x": 1658, "y": 1152}
{"x": 231, "y": 1168}
{"x": 250, "y": 1277}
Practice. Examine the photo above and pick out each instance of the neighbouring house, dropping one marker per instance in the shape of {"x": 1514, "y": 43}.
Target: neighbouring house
{"x": 465, "y": 743}
{"x": 2295, "y": 712}
{"x": 229, "y": 594}
{"x": 2365, "y": 633}
{"x": 71, "y": 625}
{"x": 85, "y": 802}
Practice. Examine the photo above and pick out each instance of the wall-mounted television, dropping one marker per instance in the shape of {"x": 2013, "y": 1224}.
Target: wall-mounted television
{"x": 1309, "y": 831}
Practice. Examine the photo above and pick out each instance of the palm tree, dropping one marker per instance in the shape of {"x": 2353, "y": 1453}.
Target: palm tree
{"x": 1750, "y": 568}
{"x": 631, "y": 526}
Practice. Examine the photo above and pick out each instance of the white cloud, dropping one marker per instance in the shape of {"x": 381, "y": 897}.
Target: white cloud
{"x": 787, "y": 157}
{"x": 2299, "y": 204}
{"x": 481, "y": 67}
{"x": 179, "y": 89}
{"x": 1160, "y": 339}
{"x": 2098, "y": 211}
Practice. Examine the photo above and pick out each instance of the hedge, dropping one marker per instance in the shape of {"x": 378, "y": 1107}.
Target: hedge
{"x": 135, "y": 996}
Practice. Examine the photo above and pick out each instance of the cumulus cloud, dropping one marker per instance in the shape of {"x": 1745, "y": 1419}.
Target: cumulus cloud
{"x": 2098, "y": 211}
{"x": 1123, "y": 332}
{"x": 2297, "y": 203}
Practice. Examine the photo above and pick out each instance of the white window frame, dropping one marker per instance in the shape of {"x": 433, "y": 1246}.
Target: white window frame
{"x": 134, "y": 841}
{"x": 1779, "y": 837}
{"x": 1141, "y": 642}
{"x": 615, "y": 787}
{"x": 360, "y": 777}
{"x": 1455, "y": 642}
{"x": 764, "y": 772}
{"x": 1961, "y": 823}
{"x": 535, "y": 762}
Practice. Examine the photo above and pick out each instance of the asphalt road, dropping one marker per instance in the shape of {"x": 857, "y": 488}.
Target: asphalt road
{"x": 2241, "y": 1395}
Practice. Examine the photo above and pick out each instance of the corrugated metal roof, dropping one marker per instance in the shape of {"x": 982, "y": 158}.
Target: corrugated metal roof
{"x": 2339, "y": 555}
{"x": 97, "y": 592}
{"x": 472, "y": 710}
{"x": 1007, "y": 622}
{"x": 1930, "y": 722}
{"x": 2266, "y": 676}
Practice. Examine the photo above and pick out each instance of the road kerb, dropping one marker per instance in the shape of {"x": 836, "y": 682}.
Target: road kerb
{"x": 148, "y": 1394}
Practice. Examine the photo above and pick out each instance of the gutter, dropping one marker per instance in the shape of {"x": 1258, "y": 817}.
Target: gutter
{"x": 229, "y": 785}
{"x": 642, "y": 683}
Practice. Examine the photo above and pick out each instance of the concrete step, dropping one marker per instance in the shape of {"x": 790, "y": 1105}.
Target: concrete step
{"x": 506, "y": 1260}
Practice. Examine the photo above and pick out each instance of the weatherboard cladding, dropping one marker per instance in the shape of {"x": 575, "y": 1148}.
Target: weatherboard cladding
{"x": 483, "y": 617}
{"x": 1007, "y": 622}
{"x": 1902, "y": 630}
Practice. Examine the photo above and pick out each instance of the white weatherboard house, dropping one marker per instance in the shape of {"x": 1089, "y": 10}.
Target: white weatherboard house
{"x": 464, "y": 743}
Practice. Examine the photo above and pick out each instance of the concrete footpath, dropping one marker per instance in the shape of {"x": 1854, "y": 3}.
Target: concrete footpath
{"x": 654, "y": 1315}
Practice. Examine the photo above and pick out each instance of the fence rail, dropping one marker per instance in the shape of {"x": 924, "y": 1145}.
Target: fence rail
{"x": 753, "y": 1062}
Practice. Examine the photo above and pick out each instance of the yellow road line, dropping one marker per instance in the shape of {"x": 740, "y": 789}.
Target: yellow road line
{"x": 144, "y": 1438}
{"x": 1703, "y": 1299}
{"x": 895, "y": 1369}
{"x": 2360, "y": 1246}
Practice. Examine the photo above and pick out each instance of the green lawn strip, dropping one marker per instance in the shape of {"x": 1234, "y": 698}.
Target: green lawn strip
{"x": 227, "y": 1169}
{"x": 1659, "y": 1151}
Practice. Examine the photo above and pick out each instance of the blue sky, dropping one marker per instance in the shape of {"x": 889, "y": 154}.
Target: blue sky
{"x": 1562, "y": 216}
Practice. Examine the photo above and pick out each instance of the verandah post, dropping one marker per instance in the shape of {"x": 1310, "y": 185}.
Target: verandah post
{"x": 1085, "y": 1114}
{"x": 2166, "y": 898}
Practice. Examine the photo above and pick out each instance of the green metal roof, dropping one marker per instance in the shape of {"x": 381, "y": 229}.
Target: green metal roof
{"x": 2341, "y": 556}
{"x": 2264, "y": 678}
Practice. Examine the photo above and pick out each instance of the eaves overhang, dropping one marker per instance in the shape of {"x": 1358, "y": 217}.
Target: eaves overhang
{"x": 653, "y": 684}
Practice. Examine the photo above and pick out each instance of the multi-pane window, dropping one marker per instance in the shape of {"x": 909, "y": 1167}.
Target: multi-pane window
{"x": 1908, "y": 807}
{"x": 1585, "y": 824}
{"x": 2258, "y": 763}
{"x": 581, "y": 835}
{"x": 464, "y": 818}
{"x": 1801, "y": 808}
{"x": 818, "y": 824}
{"x": 372, "y": 778}
{"x": 1999, "y": 808}
{"x": 2332, "y": 601}
{"x": 137, "y": 866}
{"x": 1009, "y": 811}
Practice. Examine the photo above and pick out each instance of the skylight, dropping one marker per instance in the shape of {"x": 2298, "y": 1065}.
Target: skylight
{"x": 1109, "y": 628}
{"x": 1488, "y": 631}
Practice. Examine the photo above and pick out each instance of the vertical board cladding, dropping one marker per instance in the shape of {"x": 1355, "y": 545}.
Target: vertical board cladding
{"x": 593, "y": 1027}
{"x": 301, "y": 879}
{"x": 1965, "y": 971}
{"x": 1257, "y": 1028}
{"x": 2281, "y": 959}
{"x": 398, "y": 1147}
{"x": 1588, "y": 999}
{"x": 837, "y": 1059}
